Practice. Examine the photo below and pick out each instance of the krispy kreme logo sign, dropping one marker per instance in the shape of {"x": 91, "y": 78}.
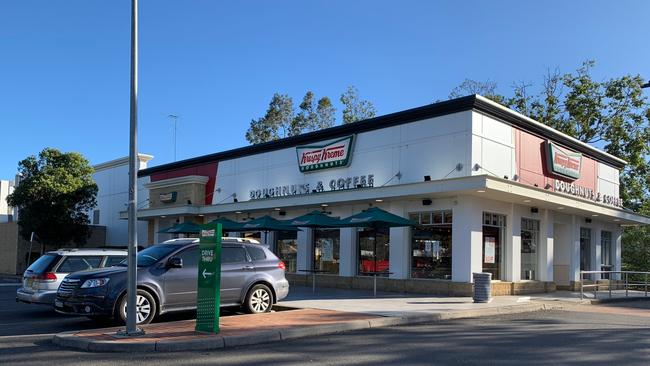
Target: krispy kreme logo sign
{"x": 334, "y": 154}
{"x": 563, "y": 162}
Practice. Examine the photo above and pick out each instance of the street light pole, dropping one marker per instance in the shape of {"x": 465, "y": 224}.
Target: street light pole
{"x": 131, "y": 289}
{"x": 175, "y": 119}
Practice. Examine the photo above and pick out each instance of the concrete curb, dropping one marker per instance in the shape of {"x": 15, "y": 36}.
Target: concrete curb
{"x": 71, "y": 340}
{"x": 614, "y": 300}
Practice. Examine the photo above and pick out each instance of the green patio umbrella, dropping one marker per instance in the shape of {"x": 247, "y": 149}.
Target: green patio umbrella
{"x": 376, "y": 218}
{"x": 226, "y": 224}
{"x": 315, "y": 219}
{"x": 182, "y": 228}
{"x": 266, "y": 223}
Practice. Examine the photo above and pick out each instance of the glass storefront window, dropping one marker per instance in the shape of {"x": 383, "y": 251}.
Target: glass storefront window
{"x": 431, "y": 245}
{"x": 286, "y": 249}
{"x": 606, "y": 250}
{"x": 326, "y": 250}
{"x": 529, "y": 245}
{"x": 374, "y": 250}
{"x": 425, "y": 218}
{"x": 585, "y": 249}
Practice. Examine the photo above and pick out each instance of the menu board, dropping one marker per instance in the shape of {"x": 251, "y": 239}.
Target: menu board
{"x": 490, "y": 249}
{"x": 327, "y": 250}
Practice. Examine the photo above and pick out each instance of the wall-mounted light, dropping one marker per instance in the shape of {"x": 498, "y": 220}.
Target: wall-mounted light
{"x": 427, "y": 202}
{"x": 534, "y": 209}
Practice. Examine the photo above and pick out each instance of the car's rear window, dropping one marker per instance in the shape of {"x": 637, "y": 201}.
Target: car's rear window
{"x": 257, "y": 254}
{"x": 43, "y": 263}
{"x": 79, "y": 263}
{"x": 153, "y": 254}
{"x": 113, "y": 260}
{"x": 233, "y": 255}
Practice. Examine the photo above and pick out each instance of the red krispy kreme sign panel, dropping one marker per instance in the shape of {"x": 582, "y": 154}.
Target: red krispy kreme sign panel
{"x": 564, "y": 162}
{"x": 334, "y": 154}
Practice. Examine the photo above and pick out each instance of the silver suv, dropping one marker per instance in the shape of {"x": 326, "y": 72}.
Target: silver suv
{"x": 42, "y": 279}
{"x": 251, "y": 277}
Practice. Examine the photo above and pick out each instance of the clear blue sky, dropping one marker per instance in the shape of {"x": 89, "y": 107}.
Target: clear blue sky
{"x": 64, "y": 64}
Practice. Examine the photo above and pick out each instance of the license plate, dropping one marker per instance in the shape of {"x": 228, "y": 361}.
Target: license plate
{"x": 58, "y": 303}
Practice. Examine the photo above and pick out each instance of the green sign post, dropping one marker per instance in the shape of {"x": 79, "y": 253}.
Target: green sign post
{"x": 209, "y": 286}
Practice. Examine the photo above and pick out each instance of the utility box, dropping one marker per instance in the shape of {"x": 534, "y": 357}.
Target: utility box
{"x": 482, "y": 287}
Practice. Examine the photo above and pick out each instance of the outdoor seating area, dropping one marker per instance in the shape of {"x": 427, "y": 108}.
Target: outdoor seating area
{"x": 372, "y": 220}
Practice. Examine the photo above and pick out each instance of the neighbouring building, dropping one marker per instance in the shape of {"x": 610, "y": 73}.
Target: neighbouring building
{"x": 107, "y": 229}
{"x": 490, "y": 190}
{"x": 6, "y": 211}
{"x": 112, "y": 178}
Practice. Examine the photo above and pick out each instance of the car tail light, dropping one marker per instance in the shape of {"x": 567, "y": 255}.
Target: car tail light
{"x": 46, "y": 277}
{"x": 282, "y": 266}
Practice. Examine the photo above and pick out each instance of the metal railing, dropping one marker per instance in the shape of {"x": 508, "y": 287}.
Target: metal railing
{"x": 625, "y": 280}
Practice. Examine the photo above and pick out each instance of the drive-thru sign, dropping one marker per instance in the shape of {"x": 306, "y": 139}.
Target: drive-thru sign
{"x": 209, "y": 287}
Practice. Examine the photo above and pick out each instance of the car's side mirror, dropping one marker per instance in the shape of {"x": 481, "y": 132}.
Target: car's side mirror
{"x": 175, "y": 262}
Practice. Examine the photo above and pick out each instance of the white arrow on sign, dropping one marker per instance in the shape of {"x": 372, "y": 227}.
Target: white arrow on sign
{"x": 205, "y": 274}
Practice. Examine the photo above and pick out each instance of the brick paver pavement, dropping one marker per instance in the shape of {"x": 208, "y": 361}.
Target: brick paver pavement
{"x": 231, "y": 325}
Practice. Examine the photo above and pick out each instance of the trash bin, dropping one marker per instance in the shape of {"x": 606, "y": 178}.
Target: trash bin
{"x": 482, "y": 287}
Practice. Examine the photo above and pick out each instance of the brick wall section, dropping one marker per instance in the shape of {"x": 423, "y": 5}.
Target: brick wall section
{"x": 417, "y": 286}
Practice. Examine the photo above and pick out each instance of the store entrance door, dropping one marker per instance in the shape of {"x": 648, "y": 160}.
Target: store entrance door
{"x": 493, "y": 249}
{"x": 585, "y": 249}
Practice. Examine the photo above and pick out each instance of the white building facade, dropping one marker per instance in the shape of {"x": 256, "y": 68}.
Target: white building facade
{"x": 6, "y": 211}
{"x": 112, "y": 179}
{"x": 490, "y": 190}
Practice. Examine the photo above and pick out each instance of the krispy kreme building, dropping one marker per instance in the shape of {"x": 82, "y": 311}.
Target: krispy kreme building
{"x": 490, "y": 190}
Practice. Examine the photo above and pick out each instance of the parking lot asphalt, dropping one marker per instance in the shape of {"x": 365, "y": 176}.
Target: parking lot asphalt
{"x": 537, "y": 338}
{"x": 20, "y": 319}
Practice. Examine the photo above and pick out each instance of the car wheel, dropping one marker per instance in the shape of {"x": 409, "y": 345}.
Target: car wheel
{"x": 259, "y": 299}
{"x": 145, "y": 310}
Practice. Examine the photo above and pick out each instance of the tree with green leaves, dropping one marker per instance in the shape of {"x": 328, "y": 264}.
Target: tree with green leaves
{"x": 487, "y": 89}
{"x": 306, "y": 117}
{"x": 55, "y": 192}
{"x": 276, "y": 123}
{"x": 281, "y": 120}
{"x": 325, "y": 114}
{"x": 356, "y": 109}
